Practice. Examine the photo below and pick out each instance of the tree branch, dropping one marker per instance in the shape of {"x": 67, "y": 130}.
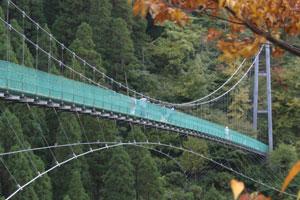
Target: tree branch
{"x": 224, "y": 19}
{"x": 280, "y": 43}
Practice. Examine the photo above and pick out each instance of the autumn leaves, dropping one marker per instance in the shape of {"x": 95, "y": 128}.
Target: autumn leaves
{"x": 238, "y": 187}
{"x": 251, "y": 22}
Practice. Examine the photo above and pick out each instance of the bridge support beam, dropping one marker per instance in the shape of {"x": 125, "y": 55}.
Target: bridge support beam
{"x": 267, "y": 75}
{"x": 269, "y": 97}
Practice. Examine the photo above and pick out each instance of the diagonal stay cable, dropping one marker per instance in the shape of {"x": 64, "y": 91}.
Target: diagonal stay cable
{"x": 63, "y": 130}
{"x": 102, "y": 74}
{"x": 18, "y": 139}
{"x": 9, "y": 172}
{"x": 82, "y": 128}
{"x": 148, "y": 143}
{"x": 87, "y": 143}
{"x": 233, "y": 87}
{"x": 40, "y": 131}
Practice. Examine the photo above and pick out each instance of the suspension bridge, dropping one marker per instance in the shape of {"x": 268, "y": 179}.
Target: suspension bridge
{"x": 89, "y": 95}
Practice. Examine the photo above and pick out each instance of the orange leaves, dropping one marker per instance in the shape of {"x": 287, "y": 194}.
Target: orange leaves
{"x": 265, "y": 18}
{"x": 160, "y": 11}
{"x": 293, "y": 172}
{"x": 237, "y": 188}
{"x": 254, "y": 196}
{"x": 213, "y": 34}
{"x": 174, "y": 15}
{"x": 140, "y": 7}
{"x": 277, "y": 52}
{"x": 189, "y": 4}
{"x": 245, "y": 48}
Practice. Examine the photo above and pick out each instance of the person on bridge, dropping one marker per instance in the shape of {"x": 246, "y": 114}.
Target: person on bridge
{"x": 143, "y": 104}
{"x": 133, "y": 106}
{"x": 227, "y": 132}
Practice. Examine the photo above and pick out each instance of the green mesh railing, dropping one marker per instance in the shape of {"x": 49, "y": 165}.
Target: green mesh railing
{"x": 20, "y": 79}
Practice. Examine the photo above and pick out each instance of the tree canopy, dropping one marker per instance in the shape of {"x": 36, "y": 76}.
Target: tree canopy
{"x": 251, "y": 22}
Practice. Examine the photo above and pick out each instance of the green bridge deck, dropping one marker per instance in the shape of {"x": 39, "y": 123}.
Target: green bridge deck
{"x": 23, "y": 80}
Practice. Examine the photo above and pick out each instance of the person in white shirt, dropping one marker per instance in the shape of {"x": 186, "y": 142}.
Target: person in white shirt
{"x": 226, "y": 132}
{"x": 143, "y": 104}
{"x": 133, "y": 106}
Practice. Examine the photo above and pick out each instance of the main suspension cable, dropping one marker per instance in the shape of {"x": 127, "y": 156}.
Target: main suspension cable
{"x": 149, "y": 143}
{"x": 95, "y": 69}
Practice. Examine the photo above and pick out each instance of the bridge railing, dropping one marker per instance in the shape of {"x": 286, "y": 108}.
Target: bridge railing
{"x": 23, "y": 80}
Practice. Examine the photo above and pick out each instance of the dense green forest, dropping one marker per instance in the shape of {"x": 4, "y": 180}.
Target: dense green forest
{"x": 168, "y": 62}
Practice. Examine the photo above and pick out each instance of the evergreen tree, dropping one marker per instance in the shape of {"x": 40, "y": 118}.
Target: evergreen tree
{"x": 121, "y": 46}
{"x": 99, "y": 19}
{"x": 118, "y": 179}
{"x": 177, "y": 194}
{"x": 35, "y": 9}
{"x": 23, "y": 165}
{"x": 68, "y": 131}
{"x": 197, "y": 192}
{"x": 6, "y": 50}
{"x": 195, "y": 80}
{"x": 147, "y": 183}
{"x": 193, "y": 163}
{"x": 8, "y": 121}
{"x": 286, "y": 102}
{"x": 33, "y": 130}
{"x": 32, "y": 124}
{"x": 20, "y": 165}
{"x": 121, "y": 9}
{"x": 51, "y": 11}
{"x": 70, "y": 15}
{"x": 84, "y": 46}
{"x": 282, "y": 159}
{"x": 120, "y": 50}
{"x": 101, "y": 130}
{"x": 298, "y": 149}
{"x": 75, "y": 189}
{"x": 2, "y": 175}
{"x": 140, "y": 39}
{"x": 45, "y": 63}
{"x": 20, "y": 47}
{"x": 22, "y": 169}
{"x": 42, "y": 186}
{"x": 67, "y": 198}
{"x": 213, "y": 194}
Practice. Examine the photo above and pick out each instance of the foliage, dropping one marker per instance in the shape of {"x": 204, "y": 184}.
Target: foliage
{"x": 285, "y": 100}
{"x": 23, "y": 54}
{"x": 99, "y": 18}
{"x": 84, "y": 46}
{"x": 71, "y": 15}
{"x": 6, "y": 50}
{"x": 282, "y": 158}
{"x": 193, "y": 163}
{"x": 146, "y": 175}
{"x": 251, "y": 22}
{"x": 75, "y": 189}
{"x": 293, "y": 172}
{"x": 119, "y": 179}
{"x": 168, "y": 62}
{"x": 120, "y": 50}
{"x": 238, "y": 187}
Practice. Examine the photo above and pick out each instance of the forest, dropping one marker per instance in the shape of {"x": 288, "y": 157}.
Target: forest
{"x": 166, "y": 61}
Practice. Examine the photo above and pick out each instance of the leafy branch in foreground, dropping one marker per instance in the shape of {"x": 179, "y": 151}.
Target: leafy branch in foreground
{"x": 252, "y": 22}
{"x": 238, "y": 187}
